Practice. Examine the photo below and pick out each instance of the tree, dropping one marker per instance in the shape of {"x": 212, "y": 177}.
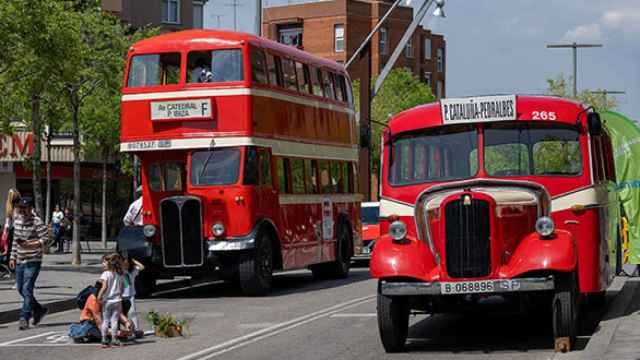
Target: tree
{"x": 401, "y": 90}
{"x": 599, "y": 100}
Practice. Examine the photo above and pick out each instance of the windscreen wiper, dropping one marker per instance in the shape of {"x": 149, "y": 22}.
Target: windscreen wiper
{"x": 206, "y": 161}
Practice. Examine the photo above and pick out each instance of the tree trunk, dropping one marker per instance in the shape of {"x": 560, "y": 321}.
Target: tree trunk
{"x": 37, "y": 153}
{"x": 47, "y": 215}
{"x": 103, "y": 212}
{"x": 75, "y": 244}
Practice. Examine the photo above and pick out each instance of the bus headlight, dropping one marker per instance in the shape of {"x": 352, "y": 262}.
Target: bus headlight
{"x": 545, "y": 226}
{"x": 149, "y": 230}
{"x": 397, "y": 230}
{"x": 217, "y": 229}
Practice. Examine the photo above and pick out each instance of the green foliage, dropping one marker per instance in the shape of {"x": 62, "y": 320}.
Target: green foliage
{"x": 560, "y": 87}
{"x": 162, "y": 323}
{"x": 401, "y": 91}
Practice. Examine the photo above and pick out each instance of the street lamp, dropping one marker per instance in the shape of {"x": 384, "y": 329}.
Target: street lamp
{"x": 439, "y": 11}
{"x": 575, "y": 47}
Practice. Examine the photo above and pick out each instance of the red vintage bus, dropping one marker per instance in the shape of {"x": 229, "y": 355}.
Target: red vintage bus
{"x": 248, "y": 155}
{"x": 505, "y": 197}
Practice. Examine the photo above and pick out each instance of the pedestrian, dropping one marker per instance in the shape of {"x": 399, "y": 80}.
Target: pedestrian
{"x": 13, "y": 196}
{"x": 134, "y": 214}
{"x": 66, "y": 227}
{"x": 110, "y": 296}
{"x": 30, "y": 237}
{"x": 132, "y": 268}
{"x": 56, "y": 221}
{"x": 88, "y": 330}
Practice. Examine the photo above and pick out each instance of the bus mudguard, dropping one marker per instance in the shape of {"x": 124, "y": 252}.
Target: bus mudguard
{"x": 557, "y": 253}
{"x": 408, "y": 258}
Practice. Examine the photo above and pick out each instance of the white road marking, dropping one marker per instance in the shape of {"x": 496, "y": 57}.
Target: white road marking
{"x": 295, "y": 325}
{"x": 274, "y": 330}
{"x": 255, "y": 326}
{"x": 353, "y": 315}
{"x": 27, "y": 338}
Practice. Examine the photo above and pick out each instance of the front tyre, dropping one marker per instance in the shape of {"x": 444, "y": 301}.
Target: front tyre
{"x": 565, "y": 312}
{"x": 393, "y": 322}
{"x": 255, "y": 269}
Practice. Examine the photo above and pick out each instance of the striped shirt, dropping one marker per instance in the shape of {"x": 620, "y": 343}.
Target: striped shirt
{"x": 25, "y": 229}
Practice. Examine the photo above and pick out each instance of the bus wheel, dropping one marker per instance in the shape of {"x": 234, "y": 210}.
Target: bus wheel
{"x": 393, "y": 322}
{"x": 256, "y": 267}
{"x": 338, "y": 269}
{"x": 565, "y": 313}
{"x": 145, "y": 284}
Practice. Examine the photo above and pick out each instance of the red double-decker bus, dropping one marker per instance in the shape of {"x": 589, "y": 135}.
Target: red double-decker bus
{"x": 248, "y": 155}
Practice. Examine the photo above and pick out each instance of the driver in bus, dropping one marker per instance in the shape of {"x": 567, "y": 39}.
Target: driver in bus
{"x": 201, "y": 72}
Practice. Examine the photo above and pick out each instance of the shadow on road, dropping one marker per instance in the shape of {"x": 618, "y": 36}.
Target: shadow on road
{"x": 283, "y": 284}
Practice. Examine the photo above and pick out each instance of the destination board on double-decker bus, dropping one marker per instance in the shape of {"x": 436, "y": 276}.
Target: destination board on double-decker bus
{"x": 478, "y": 109}
{"x": 191, "y": 109}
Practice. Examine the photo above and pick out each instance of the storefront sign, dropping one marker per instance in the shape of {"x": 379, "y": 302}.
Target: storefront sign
{"x": 16, "y": 147}
{"x": 478, "y": 109}
{"x": 181, "y": 109}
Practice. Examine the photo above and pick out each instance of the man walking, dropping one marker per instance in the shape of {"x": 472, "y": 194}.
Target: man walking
{"x": 29, "y": 237}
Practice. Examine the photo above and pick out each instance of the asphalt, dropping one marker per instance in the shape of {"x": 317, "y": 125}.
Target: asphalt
{"x": 334, "y": 319}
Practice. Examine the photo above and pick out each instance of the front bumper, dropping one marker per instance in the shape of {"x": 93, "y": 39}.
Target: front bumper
{"x": 499, "y": 286}
{"x": 232, "y": 244}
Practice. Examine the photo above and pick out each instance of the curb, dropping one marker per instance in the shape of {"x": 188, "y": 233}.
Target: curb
{"x": 54, "y": 307}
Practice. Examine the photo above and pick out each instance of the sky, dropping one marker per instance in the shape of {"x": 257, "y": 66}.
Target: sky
{"x": 499, "y": 46}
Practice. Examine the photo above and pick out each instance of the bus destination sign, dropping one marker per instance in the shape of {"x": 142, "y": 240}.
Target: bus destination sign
{"x": 478, "y": 109}
{"x": 181, "y": 109}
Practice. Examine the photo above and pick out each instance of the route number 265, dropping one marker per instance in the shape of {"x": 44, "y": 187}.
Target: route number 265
{"x": 543, "y": 115}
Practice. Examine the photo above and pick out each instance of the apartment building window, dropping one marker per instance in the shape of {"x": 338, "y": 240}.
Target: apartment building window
{"x": 440, "y": 60}
{"x": 440, "y": 89}
{"x": 198, "y": 14}
{"x": 338, "y": 32}
{"x": 290, "y": 34}
{"x": 427, "y": 48}
{"x": 427, "y": 78}
{"x": 384, "y": 41}
{"x": 171, "y": 11}
{"x": 408, "y": 49}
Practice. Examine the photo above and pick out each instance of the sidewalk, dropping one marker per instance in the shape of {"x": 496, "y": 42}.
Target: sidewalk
{"x": 58, "y": 283}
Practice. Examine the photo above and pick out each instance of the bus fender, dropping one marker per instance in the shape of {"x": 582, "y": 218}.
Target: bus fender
{"x": 534, "y": 253}
{"x": 408, "y": 258}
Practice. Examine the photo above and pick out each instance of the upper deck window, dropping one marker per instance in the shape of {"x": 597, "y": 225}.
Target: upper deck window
{"x": 258, "y": 66}
{"x": 434, "y": 155}
{"x": 526, "y": 149}
{"x": 215, "y": 66}
{"x": 154, "y": 70}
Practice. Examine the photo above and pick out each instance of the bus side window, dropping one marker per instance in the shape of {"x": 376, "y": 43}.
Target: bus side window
{"x": 281, "y": 169}
{"x": 250, "y": 166}
{"x": 155, "y": 177}
{"x": 347, "y": 88}
{"x": 153, "y": 70}
{"x": 303, "y": 79}
{"x": 275, "y": 77}
{"x": 311, "y": 176}
{"x": 258, "y": 62}
{"x": 327, "y": 84}
{"x": 297, "y": 176}
{"x": 608, "y": 157}
{"x": 339, "y": 89}
{"x": 289, "y": 74}
{"x": 325, "y": 177}
{"x": 265, "y": 167}
{"x": 316, "y": 82}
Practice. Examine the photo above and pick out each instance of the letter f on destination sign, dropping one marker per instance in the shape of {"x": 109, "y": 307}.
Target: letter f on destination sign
{"x": 205, "y": 107}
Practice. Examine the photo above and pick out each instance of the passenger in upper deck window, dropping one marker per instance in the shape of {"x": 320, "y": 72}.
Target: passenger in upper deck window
{"x": 201, "y": 73}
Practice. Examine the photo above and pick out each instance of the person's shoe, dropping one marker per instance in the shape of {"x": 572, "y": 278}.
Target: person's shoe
{"x": 105, "y": 344}
{"x": 23, "y": 324}
{"x": 116, "y": 342}
{"x": 38, "y": 315}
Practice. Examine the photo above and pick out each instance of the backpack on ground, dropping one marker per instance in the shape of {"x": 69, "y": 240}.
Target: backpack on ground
{"x": 83, "y": 295}
{"x": 84, "y": 332}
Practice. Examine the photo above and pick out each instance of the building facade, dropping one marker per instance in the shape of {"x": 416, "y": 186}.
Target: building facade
{"x": 335, "y": 29}
{"x": 169, "y": 15}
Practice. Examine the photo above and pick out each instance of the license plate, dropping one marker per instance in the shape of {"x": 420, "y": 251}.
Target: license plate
{"x": 482, "y": 286}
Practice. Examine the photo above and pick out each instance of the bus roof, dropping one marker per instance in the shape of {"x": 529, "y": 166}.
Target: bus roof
{"x": 204, "y": 39}
{"x": 488, "y": 109}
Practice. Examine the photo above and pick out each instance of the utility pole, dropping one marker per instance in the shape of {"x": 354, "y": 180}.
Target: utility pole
{"x": 235, "y": 4}
{"x": 217, "y": 17}
{"x": 575, "y": 47}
